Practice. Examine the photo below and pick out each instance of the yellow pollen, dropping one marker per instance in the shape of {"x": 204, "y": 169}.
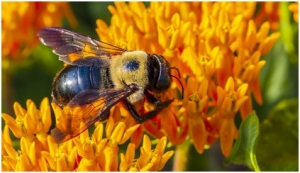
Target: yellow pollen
{"x": 232, "y": 96}
{"x": 20, "y": 123}
{"x": 203, "y": 60}
{"x": 226, "y": 28}
{"x": 194, "y": 97}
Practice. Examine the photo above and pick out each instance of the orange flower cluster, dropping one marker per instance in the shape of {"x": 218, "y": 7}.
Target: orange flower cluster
{"x": 294, "y": 7}
{"x": 39, "y": 152}
{"x": 217, "y": 49}
{"x": 22, "y": 20}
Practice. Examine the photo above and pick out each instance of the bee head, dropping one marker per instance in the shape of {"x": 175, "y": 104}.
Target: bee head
{"x": 158, "y": 73}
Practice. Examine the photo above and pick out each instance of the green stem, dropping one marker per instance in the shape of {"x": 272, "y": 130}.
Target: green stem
{"x": 181, "y": 156}
{"x": 254, "y": 162}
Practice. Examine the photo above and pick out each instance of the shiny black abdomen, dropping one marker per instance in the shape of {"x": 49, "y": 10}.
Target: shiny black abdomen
{"x": 71, "y": 80}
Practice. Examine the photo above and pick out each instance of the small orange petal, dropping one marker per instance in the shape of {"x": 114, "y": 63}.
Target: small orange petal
{"x": 5, "y": 136}
{"x": 53, "y": 148}
{"x": 32, "y": 153}
{"x": 250, "y": 39}
{"x": 152, "y": 129}
{"x": 162, "y": 37}
{"x": 24, "y": 164}
{"x": 49, "y": 159}
{"x": 175, "y": 40}
{"x": 130, "y": 152}
{"x": 117, "y": 133}
{"x": 11, "y": 123}
{"x": 246, "y": 108}
{"x": 98, "y": 132}
{"x": 6, "y": 166}
{"x": 43, "y": 165}
{"x": 128, "y": 133}
{"x": 30, "y": 124}
{"x": 221, "y": 95}
{"x": 258, "y": 68}
{"x": 19, "y": 111}
{"x": 257, "y": 91}
{"x": 61, "y": 164}
{"x": 227, "y": 136}
{"x": 124, "y": 164}
{"x": 165, "y": 157}
{"x": 242, "y": 90}
{"x": 10, "y": 151}
{"x": 137, "y": 135}
{"x": 146, "y": 144}
{"x": 267, "y": 44}
{"x": 263, "y": 31}
{"x": 198, "y": 132}
{"x": 146, "y": 167}
{"x": 169, "y": 124}
{"x": 46, "y": 114}
{"x": 161, "y": 145}
{"x": 229, "y": 85}
{"x": 226, "y": 105}
{"x": 111, "y": 158}
{"x": 239, "y": 103}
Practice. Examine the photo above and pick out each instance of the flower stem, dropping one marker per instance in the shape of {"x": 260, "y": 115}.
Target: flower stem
{"x": 181, "y": 156}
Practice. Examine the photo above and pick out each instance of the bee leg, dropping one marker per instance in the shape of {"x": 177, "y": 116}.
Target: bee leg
{"x": 103, "y": 116}
{"x": 149, "y": 115}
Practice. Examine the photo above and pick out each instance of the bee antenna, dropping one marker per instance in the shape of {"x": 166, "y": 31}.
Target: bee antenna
{"x": 176, "y": 70}
{"x": 182, "y": 93}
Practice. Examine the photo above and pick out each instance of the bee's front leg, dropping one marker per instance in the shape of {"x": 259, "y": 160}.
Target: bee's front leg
{"x": 149, "y": 115}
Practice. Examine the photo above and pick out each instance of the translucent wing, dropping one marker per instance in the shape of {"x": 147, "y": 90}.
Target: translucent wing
{"x": 88, "y": 107}
{"x": 70, "y": 46}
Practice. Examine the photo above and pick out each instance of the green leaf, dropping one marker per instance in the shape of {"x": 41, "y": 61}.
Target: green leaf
{"x": 243, "y": 151}
{"x": 277, "y": 148}
{"x": 288, "y": 29}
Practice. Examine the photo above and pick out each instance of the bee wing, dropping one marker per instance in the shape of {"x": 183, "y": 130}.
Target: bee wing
{"x": 70, "y": 46}
{"x": 93, "y": 105}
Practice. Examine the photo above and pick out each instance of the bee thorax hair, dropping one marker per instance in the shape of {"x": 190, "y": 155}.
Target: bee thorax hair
{"x": 130, "y": 68}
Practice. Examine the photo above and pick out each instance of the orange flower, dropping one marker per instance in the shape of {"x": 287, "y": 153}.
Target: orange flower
{"x": 90, "y": 149}
{"x": 196, "y": 104}
{"x": 23, "y": 19}
{"x": 293, "y": 7}
{"x": 149, "y": 160}
{"x": 25, "y": 159}
{"x": 269, "y": 11}
{"x": 60, "y": 158}
{"x": 229, "y": 102}
{"x": 33, "y": 123}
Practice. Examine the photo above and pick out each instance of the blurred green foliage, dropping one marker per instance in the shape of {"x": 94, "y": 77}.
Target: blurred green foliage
{"x": 279, "y": 82}
{"x": 277, "y": 148}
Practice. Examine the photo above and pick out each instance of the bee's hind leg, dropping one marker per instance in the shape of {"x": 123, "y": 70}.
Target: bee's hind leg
{"x": 149, "y": 115}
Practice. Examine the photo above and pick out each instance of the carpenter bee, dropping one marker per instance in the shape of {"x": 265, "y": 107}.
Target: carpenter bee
{"x": 105, "y": 73}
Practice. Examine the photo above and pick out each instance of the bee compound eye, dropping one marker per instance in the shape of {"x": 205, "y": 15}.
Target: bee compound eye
{"x": 164, "y": 82}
